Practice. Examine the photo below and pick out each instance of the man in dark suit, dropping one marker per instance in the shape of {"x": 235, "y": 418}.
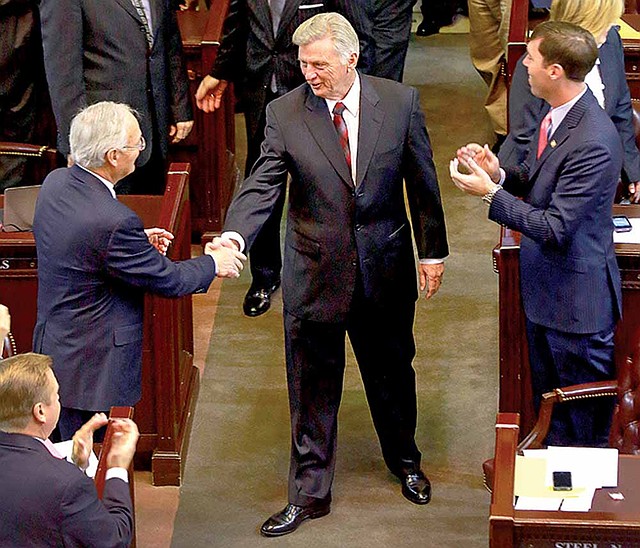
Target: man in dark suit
{"x": 256, "y": 53}
{"x": 384, "y": 29}
{"x": 47, "y": 501}
{"x": 569, "y": 276}
{"x": 349, "y": 265}
{"x": 126, "y": 51}
{"x": 95, "y": 263}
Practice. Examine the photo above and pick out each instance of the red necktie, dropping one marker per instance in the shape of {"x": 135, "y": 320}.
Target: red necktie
{"x": 544, "y": 134}
{"x": 343, "y": 133}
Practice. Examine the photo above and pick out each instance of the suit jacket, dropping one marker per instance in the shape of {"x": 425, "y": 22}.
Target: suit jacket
{"x": 49, "y": 502}
{"x": 94, "y": 265}
{"x": 250, "y": 53}
{"x": 96, "y": 50}
{"x": 526, "y": 111}
{"x": 337, "y": 230}
{"x": 569, "y": 274}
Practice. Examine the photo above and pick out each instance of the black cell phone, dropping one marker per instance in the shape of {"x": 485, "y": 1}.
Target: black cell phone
{"x": 621, "y": 223}
{"x": 562, "y": 481}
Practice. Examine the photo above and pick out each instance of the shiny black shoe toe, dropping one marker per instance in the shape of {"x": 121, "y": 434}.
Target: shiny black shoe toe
{"x": 258, "y": 300}
{"x": 427, "y": 28}
{"x": 289, "y": 519}
{"x": 416, "y": 487}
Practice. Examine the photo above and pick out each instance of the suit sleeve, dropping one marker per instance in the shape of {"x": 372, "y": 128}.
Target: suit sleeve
{"x": 525, "y": 114}
{"x": 62, "y": 39}
{"x": 180, "y": 101}
{"x": 87, "y": 521}
{"x": 131, "y": 259}
{"x": 577, "y": 191}
{"x": 253, "y": 204}
{"x": 622, "y": 115}
{"x": 231, "y": 58}
{"x": 423, "y": 192}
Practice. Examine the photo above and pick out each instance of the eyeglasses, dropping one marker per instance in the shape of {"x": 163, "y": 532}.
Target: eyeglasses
{"x": 142, "y": 144}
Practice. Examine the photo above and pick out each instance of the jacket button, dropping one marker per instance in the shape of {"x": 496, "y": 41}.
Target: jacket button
{"x": 358, "y": 228}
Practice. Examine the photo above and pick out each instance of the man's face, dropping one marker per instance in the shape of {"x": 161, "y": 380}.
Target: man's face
{"x": 52, "y": 407}
{"x": 127, "y": 156}
{"x": 538, "y": 74}
{"x": 324, "y": 70}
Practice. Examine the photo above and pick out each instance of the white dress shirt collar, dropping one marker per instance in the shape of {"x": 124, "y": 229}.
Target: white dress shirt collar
{"x": 558, "y": 113}
{"x": 106, "y": 183}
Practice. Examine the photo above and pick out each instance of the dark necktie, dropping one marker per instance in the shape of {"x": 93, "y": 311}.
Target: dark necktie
{"x": 145, "y": 21}
{"x": 343, "y": 133}
{"x": 545, "y": 126}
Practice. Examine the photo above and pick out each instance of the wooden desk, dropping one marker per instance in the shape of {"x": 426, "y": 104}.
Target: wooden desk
{"x": 608, "y": 524}
{"x": 170, "y": 381}
{"x": 515, "y": 378}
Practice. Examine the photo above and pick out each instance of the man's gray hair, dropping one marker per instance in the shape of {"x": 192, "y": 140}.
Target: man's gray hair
{"x": 97, "y": 129}
{"x": 334, "y": 25}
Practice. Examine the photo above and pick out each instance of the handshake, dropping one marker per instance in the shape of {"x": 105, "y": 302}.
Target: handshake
{"x": 225, "y": 252}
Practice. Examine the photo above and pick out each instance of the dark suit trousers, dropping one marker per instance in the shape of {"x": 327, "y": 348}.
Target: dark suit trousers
{"x": 265, "y": 254}
{"x": 382, "y": 340}
{"x": 561, "y": 359}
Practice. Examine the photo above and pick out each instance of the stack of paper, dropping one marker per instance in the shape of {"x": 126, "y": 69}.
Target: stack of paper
{"x": 591, "y": 468}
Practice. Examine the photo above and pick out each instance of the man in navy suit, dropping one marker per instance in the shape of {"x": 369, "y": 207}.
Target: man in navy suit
{"x": 95, "y": 262}
{"x": 47, "y": 501}
{"x": 349, "y": 265}
{"x": 569, "y": 276}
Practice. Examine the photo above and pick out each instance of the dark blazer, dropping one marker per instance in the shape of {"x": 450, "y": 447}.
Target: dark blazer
{"x": 335, "y": 229}
{"x": 526, "y": 111}
{"x": 249, "y": 53}
{"x": 94, "y": 265}
{"x": 96, "y": 50}
{"x": 49, "y": 502}
{"x": 569, "y": 274}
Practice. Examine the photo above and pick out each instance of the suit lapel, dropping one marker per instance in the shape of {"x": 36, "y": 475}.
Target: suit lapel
{"x": 563, "y": 132}
{"x": 371, "y": 117}
{"x": 290, "y": 9}
{"x": 157, "y": 13}
{"x": 319, "y": 124}
{"x": 128, "y": 7}
{"x": 263, "y": 14}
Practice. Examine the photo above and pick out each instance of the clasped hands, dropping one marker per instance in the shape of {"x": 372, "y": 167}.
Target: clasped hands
{"x": 123, "y": 443}
{"x": 226, "y": 254}
{"x": 483, "y": 169}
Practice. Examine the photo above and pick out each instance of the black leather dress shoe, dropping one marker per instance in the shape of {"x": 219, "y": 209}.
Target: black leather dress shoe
{"x": 258, "y": 300}
{"x": 416, "y": 487}
{"x": 289, "y": 519}
{"x": 427, "y": 28}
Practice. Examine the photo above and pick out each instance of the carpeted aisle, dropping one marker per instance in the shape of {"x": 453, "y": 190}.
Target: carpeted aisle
{"x": 238, "y": 458}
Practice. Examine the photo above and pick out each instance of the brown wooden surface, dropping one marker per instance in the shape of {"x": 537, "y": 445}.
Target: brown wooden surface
{"x": 210, "y": 147}
{"x": 170, "y": 380}
{"x": 608, "y": 523}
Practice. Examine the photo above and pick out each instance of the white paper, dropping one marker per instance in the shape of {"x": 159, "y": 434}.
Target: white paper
{"x": 579, "y": 504}
{"x": 538, "y": 503}
{"x": 589, "y": 466}
{"x": 631, "y": 237}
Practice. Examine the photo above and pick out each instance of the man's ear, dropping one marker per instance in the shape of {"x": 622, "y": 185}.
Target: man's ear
{"x": 555, "y": 71}
{"x": 38, "y": 413}
{"x": 352, "y": 61}
{"x": 111, "y": 157}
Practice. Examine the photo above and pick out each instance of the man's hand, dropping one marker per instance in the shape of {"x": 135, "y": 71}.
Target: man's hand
{"x": 159, "y": 238}
{"x": 180, "y": 130}
{"x": 483, "y": 157}
{"x": 5, "y": 322}
{"x": 476, "y": 183}
{"x": 123, "y": 443}
{"x": 634, "y": 192}
{"x": 83, "y": 440}
{"x": 210, "y": 92}
{"x": 431, "y": 278}
{"x": 229, "y": 261}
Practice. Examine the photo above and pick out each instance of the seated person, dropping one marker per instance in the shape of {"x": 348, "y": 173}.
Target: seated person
{"x": 47, "y": 501}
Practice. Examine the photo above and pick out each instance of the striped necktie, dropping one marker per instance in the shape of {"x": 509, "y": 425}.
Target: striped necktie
{"x": 343, "y": 133}
{"x": 545, "y": 128}
{"x": 145, "y": 21}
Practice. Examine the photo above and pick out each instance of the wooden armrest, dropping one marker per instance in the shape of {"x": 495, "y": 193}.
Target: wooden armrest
{"x": 100, "y": 478}
{"x": 8, "y": 347}
{"x": 25, "y": 149}
{"x": 600, "y": 389}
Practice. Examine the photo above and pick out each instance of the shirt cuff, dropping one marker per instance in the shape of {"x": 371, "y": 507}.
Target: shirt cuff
{"x": 431, "y": 261}
{"x": 503, "y": 176}
{"x": 232, "y": 235}
{"x": 117, "y": 473}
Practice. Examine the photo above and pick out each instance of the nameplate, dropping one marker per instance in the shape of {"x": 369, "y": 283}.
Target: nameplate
{"x": 18, "y": 264}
